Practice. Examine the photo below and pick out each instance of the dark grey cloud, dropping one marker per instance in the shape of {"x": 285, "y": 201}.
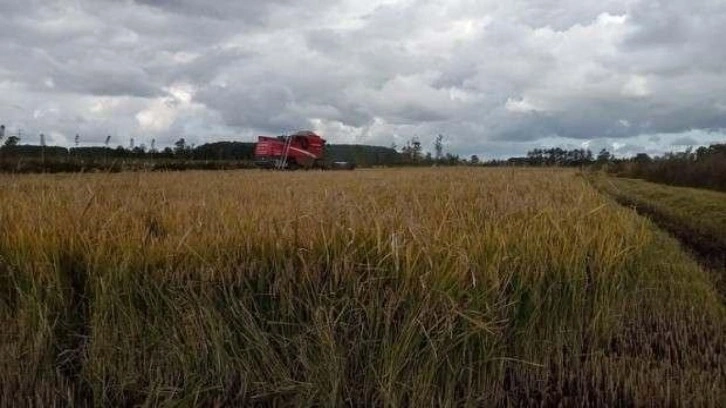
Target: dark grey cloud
{"x": 492, "y": 77}
{"x": 253, "y": 12}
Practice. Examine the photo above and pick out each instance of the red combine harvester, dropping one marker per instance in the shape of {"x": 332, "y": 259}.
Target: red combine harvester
{"x": 303, "y": 149}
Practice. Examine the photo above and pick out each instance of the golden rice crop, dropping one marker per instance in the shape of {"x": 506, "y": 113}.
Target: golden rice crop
{"x": 376, "y": 287}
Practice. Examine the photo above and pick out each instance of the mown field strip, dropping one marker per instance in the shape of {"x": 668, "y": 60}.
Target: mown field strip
{"x": 697, "y": 218}
{"x": 405, "y": 287}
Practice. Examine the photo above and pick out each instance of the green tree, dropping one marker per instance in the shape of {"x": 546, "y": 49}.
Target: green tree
{"x": 452, "y": 159}
{"x": 604, "y": 156}
{"x": 416, "y": 149}
{"x": 180, "y": 146}
{"x": 642, "y": 158}
{"x": 412, "y": 151}
{"x": 12, "y": 141}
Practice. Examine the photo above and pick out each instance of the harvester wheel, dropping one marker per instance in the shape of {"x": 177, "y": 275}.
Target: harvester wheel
{"x": 292, "y": 166}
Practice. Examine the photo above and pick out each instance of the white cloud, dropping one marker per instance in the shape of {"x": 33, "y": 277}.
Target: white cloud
{"x": 488, "y": 75}
{"x": 636, "y": 86}
{"x": 522, "y": 105}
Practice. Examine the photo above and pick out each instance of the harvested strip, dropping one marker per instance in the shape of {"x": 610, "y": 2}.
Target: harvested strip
{"x": 696, "y": 217}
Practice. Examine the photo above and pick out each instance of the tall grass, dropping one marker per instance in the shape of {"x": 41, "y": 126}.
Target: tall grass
{"x": 386, "y": 287}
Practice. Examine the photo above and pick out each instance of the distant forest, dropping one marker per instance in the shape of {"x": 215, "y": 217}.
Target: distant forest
{"x": 15, "y": 157}
{"x": 703, "y": 167}
{"x": 34, "y": 158}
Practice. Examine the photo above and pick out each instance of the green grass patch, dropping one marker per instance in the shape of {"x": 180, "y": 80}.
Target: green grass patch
{"x": 696, "y": 216}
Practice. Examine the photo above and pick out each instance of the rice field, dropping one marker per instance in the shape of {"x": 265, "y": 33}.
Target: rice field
{"x": 398, "y": 287}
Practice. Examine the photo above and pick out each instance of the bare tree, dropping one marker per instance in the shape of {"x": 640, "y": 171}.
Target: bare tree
{"x": 439, "y": 147}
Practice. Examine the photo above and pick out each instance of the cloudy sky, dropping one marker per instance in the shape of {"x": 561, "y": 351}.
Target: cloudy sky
{"x": 496, "y": 78}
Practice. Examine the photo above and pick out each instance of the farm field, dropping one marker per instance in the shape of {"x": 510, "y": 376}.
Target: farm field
{"x": 405, "y": 287}
{"x": 696, "y": 216}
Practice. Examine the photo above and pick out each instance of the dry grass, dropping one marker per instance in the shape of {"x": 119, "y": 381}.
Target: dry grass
{"x": 384, "y": 287}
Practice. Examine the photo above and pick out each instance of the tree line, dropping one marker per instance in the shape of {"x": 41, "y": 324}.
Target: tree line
{"x": 704, "y": 167}
{"x": 17, "y": 157}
